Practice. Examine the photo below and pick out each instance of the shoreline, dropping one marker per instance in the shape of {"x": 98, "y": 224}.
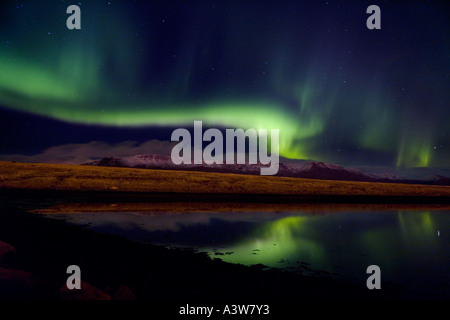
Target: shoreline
{"x": 83, "y": 206}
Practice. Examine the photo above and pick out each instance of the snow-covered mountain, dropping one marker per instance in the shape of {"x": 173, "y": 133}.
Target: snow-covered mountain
{"x": 330, "y": 171}
{"x": 300, "y": 169}
{"x": 156, "y": 161}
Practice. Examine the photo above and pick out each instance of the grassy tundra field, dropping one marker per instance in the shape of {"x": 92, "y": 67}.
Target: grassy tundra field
{"x": 53, "y": 177}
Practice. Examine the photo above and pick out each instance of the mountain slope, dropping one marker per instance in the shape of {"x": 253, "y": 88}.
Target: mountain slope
{"x": 308, "y": 169}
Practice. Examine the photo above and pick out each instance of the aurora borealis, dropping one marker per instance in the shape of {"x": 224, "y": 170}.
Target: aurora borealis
{"x": 337, "y": 91}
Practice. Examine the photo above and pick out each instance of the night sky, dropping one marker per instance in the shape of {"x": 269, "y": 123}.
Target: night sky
{"x": 136, "y": 70}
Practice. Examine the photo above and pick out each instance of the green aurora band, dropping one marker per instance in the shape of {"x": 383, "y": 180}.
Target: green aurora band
{"x": 277, "y": 240}
{"x": 303, "y": 238}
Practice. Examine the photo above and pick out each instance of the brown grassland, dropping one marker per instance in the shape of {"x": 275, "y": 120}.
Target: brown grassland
{"x": 27, "y": 176}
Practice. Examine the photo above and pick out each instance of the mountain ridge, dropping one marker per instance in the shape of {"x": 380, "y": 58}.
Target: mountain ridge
{"x": 305, "y": 169}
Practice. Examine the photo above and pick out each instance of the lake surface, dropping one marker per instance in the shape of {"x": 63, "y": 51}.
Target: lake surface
{"x": 411, "y": 247}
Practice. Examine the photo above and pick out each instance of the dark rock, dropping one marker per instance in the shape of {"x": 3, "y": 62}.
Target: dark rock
{"x": 87, "y": 292}
{"x": 6, "y": 250}
{"x": 124, "y": 293}
{"x": 16, "y": 284}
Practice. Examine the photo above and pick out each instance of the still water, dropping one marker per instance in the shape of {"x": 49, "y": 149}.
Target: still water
{"x": 410, "y": 246}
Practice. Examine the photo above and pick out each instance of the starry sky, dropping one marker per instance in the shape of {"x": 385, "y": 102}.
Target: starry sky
{"x": 337, "y": 91}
